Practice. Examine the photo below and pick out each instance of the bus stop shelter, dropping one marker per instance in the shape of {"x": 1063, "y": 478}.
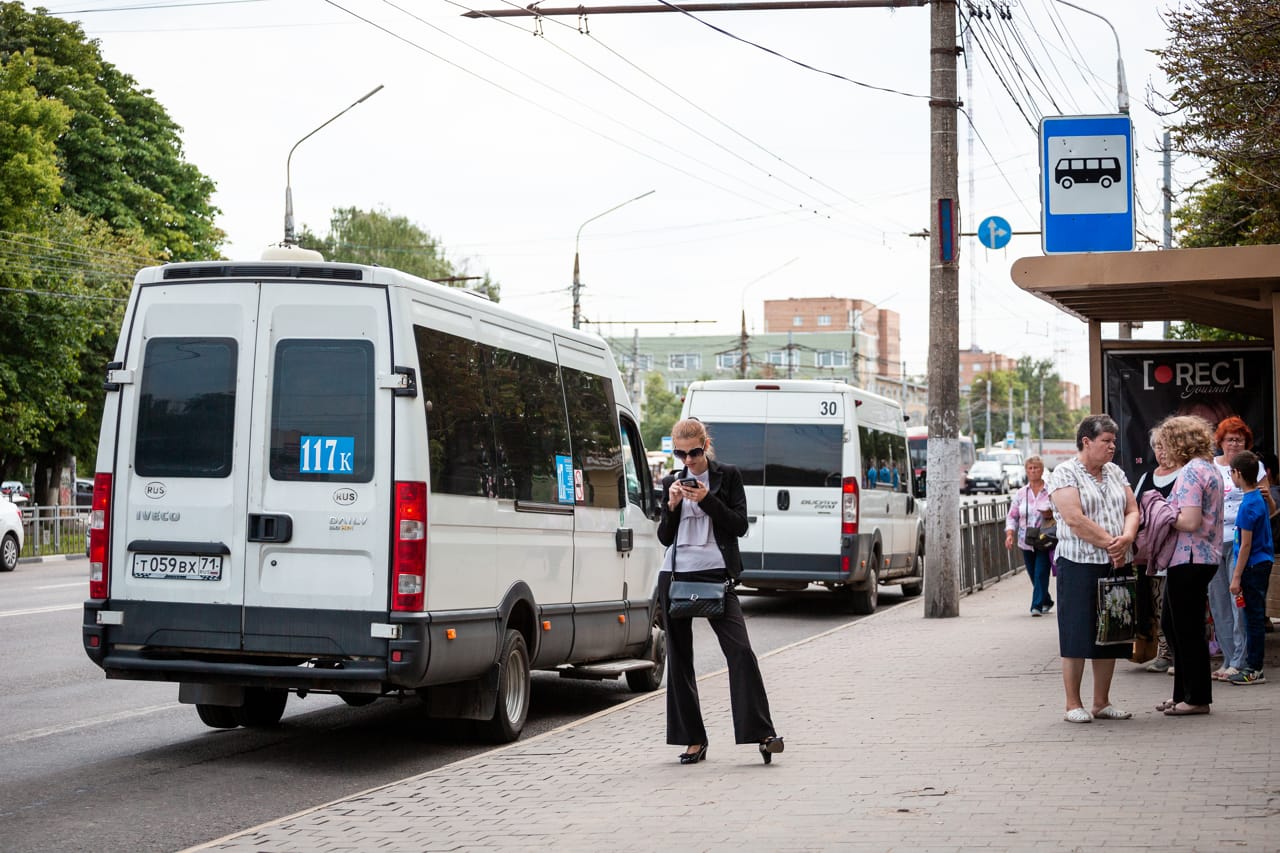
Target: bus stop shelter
{"x": 1235, "y": 288}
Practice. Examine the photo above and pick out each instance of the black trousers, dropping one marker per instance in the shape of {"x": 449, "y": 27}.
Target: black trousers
{"x": 751, "y": 720}
{"x": 1186, "y": 594}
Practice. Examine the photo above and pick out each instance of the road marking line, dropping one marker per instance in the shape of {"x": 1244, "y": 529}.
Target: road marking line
{"x": 34, "y": 734}
{"x": 34, "y": 610}
{"x": 63, "y": 585}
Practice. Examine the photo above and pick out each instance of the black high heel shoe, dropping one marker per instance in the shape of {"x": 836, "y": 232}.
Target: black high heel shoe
{"x": 694, "y": 757}
{"x": 769, "y": 746}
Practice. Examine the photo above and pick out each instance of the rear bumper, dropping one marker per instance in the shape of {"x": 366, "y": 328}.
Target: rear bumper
{"x": 830, "y": 568}
{"x": 312, "y": 649}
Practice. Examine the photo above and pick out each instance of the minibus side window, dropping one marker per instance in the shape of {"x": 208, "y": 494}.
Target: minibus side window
{"x": 322, "y": 402}
{"x": 527, "y": 410}
{"x": 186, "y": 408}
{"x": 803, "y": 455}
{"x": 459, "y": 431}
{"x": 597, "y": 447}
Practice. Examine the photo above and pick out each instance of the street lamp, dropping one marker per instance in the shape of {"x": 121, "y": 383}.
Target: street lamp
{"x": 1122, "y": 88}
{"x": 577, "y": 284}
{"x": 289, "y": 238}
{"x": 742, "y": 343}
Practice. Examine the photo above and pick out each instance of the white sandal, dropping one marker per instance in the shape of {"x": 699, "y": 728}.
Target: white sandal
{"x": 1078, "y": 715}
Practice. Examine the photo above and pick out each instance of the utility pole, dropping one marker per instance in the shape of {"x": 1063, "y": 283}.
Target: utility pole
{"x": 1011, "y": 427}
{"x": 942, "y": 522}
{"x": 635, "y": 365}
{"x": 990, "y": 373}
{"x": 742, "y": 348}
{"x": 1041, "y": 411}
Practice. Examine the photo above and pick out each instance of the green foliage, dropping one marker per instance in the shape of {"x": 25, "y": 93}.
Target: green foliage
{"x": 1188, "y": 331}
{"x": 1221, "y": 63}
{"x": 59, "y": 318}
{"x": 661, "y": 411}
{"x": 121, "y": 155}
{"x": 379, "y": 238}
{"x": 1029, "y": 377}
{"x": 29, "y": 128}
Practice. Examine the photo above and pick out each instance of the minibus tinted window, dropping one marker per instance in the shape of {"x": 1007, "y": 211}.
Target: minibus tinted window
{"x": 322, "y": 411}
{"x": 526, "y": 408}
{"x": 186, "y": 408}
{"x": 597, "y": 447}
{"x": 459, "y": 432}
{"x": 801, "y": 455}
{"x": 741, "y": 445}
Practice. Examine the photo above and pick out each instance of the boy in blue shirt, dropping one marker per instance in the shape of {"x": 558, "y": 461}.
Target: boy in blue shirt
{"x": 1252, "y": 555}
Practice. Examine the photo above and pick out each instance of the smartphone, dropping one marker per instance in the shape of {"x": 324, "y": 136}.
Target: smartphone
{"x": 689, "y": 482}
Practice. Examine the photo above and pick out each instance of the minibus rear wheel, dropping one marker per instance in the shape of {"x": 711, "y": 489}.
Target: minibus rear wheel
{"x": 217, "y": 716}
{"x": 263, "y": 707}
{"x": 515, "y": 684}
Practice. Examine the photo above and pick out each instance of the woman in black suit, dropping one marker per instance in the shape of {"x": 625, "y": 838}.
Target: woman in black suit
{"x": 704, "y": 511}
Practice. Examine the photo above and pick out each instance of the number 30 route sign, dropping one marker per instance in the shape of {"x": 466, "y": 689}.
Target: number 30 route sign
{"x": 1086, "y": 184}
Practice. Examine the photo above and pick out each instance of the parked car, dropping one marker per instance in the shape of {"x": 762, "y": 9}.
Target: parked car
{"x": 15, "y": 491}
{"x": 84, "y": 492}
{"x": 10, "y": 535}
{"x": 986, "y": 475}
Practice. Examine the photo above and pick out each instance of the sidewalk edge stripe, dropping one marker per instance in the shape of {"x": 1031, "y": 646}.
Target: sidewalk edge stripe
{"x": 647, "y": 697}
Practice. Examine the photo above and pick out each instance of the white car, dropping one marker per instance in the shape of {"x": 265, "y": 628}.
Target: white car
{"x": 10, "y": 535}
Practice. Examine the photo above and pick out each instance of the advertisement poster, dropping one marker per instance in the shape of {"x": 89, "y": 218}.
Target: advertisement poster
{"x": 1143, "y": 388}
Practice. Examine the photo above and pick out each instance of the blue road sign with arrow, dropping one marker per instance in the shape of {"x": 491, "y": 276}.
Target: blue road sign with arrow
{"x": 994, "y": 232}
{"x": 1086, "y": 184}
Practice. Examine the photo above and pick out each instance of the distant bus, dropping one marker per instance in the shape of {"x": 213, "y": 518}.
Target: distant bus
{"x": 918, "y": 450}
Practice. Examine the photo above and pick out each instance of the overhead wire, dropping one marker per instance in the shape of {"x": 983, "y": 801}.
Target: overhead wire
{"x": 634, "y": 66}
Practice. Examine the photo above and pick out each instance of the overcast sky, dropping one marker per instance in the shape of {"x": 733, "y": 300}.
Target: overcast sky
{"x": 502, "y": 138}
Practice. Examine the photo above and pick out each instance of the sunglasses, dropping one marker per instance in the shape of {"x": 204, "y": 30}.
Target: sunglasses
{"x": 682, "y": 455}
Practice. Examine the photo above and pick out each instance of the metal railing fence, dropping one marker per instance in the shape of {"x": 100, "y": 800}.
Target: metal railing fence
{"x": 983, "y": 558}
{"x": 49, "y": 530}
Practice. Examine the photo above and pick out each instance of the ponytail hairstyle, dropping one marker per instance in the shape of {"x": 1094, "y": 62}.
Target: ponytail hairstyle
{"x": 693, "y": 428}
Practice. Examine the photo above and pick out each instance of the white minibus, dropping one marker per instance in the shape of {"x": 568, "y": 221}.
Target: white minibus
{"x": 330, "y": 478}
{"x": 828, "y": 480}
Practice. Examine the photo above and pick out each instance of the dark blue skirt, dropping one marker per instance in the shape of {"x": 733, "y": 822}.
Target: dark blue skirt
{"x": 1078, "y": 612}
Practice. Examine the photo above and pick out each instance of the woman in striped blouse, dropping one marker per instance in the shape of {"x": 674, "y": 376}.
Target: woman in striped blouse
{"x": 1097, "y": 522}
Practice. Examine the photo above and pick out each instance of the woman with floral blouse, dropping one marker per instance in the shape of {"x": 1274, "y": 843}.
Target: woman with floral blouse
{"x": 1197, "y": 496}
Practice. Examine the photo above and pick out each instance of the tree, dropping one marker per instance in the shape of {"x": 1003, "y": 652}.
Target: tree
{"x": 1026, "y": 382}
{"x": 29, "y": 128}
{"x": 59, "y": 316}
{"x": 661, "y": 411}
{"x": 121, "y": 155}
{"x": 379, "y": 238}
{"x": 1221, "y": 63}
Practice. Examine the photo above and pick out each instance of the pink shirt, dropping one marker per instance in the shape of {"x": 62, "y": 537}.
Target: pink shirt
{"x": 1199, "y": 484}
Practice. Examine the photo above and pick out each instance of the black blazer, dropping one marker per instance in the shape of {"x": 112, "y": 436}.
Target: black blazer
{"x": 725, "y": 504}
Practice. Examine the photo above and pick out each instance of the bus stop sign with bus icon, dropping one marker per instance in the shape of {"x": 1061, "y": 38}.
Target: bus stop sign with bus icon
{"x": 1086, "y": 184}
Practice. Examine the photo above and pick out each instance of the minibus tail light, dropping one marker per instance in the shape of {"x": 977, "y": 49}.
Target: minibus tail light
{"x": 409, "y": 564}
{"x": 100, "y": 538}
{"x": 849, "y": 505}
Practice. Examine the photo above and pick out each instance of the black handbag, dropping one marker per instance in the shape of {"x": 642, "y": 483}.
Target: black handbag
{"x": 1117, "y": 609}
{"x": 690, "y": 599}
{"x": 1042, "y": 537}
{"x": 694, "y": 599}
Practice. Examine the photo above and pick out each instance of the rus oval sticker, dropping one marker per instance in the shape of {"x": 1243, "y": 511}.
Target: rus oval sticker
{"x": 154, "y": 490}
{"x": 345, "y": 497}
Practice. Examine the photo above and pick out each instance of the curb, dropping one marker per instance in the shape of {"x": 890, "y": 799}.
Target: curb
{"x": 50, "y": 558}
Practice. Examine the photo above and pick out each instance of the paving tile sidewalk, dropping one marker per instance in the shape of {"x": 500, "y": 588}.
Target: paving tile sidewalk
{"x": 903, "y": 733}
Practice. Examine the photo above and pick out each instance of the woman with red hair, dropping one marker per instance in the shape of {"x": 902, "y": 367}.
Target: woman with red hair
{"x": 1232, "y": 436}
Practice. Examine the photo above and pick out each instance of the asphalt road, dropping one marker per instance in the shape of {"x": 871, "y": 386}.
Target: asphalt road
{"x": 91, "y": 764}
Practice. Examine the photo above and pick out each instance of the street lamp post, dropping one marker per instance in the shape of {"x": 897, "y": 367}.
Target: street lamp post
{"x": 1122, "y": 87}
{"x": 577, "y": 283}
{"x": 289, "y": 238}
{"x": 742, "y": 342}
